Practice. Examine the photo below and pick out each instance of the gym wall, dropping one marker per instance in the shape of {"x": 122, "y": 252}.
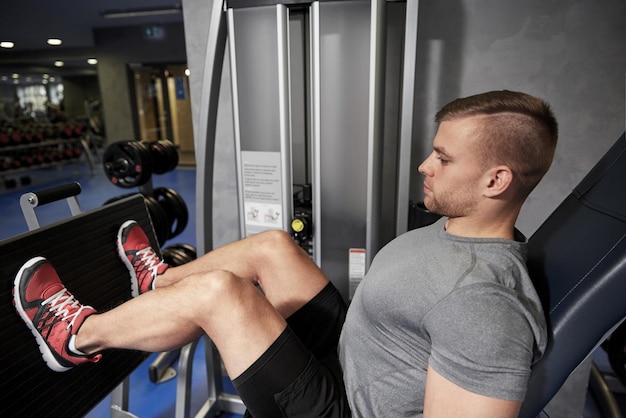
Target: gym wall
{"x": 570, "y": 52}
{"x": 118, "y": 47}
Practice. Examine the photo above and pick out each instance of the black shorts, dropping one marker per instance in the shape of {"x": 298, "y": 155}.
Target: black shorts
{"x": 299, "y": 375}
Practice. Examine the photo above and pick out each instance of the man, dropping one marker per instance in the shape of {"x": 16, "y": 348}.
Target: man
{"x": 445, "y": 324}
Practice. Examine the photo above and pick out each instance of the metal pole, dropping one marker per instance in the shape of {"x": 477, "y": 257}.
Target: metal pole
{"x": 375, "y": 127}
{"x": 284, "y": 111}
{"x": 406, "y": 116}
{"x": 315, "y": 107}
{"x": 205, "y": 132}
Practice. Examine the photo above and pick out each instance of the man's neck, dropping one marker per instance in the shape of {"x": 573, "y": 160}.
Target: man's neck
{"x": 475, "y": 227}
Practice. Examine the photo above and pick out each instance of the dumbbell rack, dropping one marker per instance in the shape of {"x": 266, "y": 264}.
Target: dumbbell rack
{"x": 26, "y": 157}
{"x": 130, "y": 164}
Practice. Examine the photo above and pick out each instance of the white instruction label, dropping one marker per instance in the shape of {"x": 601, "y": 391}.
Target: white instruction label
{"x": 262, "y": 191}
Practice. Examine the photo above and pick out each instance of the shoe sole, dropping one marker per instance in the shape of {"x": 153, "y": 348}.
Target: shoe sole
{"x": 134, "y": 283}
{"x": 44, "y": 349}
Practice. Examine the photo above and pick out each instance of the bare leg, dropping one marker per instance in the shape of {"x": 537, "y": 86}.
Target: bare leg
{"x": 271, "y": 260}
{"x": 235, "y": 314}
{"x": 216, "y": 295}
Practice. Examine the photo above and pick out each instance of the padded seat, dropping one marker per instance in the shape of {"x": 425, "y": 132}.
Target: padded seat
{"x": 577, "y": 260}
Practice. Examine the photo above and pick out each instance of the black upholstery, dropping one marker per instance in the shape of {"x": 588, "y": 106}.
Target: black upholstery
{"x": 83, "y": 251}
{"x": 577, "y": 259}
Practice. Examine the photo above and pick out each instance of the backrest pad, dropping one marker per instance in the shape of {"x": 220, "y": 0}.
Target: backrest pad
{"x": 577, "y": 260}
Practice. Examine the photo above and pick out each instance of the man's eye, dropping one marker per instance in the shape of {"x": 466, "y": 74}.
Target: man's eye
{"x": 442, "y": 160}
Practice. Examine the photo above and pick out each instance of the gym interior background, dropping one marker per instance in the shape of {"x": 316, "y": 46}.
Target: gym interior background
{"x": 570, "y": 52}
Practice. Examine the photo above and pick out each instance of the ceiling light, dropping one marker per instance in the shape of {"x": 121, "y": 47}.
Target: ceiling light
{"x": 15, "y": 75}
{"x": 59, "y": 63}
{"x": 6, "y": 44}
{"x": 92, "y": 61}
{"x": 54, "y": 41}
{"x": 115, "y": 14}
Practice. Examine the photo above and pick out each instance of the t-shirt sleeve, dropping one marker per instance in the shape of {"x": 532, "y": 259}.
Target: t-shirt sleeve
{"x": 482, "y": 341}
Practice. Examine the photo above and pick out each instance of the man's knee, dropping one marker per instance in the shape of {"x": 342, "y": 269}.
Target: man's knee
{"x": 276, "y": 241}
{"x": 214, "y": 286}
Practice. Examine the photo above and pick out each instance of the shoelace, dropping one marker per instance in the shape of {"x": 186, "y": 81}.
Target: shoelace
{"x": 64, "y": 305}
{"x": 146, "y": 259}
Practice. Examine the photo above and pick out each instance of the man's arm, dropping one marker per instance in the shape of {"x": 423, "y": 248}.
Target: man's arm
{"x": 445, "y": 399}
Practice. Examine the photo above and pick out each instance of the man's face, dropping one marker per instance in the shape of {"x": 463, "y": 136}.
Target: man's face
{"x": 453, "y": 169}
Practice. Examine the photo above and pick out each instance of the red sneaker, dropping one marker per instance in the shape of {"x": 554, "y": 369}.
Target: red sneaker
{"x": 51, "y": 313}
{"x": 143, "y": 263}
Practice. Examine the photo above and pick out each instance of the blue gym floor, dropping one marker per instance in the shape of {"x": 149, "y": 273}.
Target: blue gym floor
{"x": 147, "y": 399}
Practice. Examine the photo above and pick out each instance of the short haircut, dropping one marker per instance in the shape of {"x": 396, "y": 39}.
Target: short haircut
{"x": 518, "y": 130}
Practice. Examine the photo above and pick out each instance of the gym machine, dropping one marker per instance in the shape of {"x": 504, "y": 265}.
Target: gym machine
{"x": 325, "y": 146}
{"x": 308, "y": 84}
{"x": 97, "y": 275}
{"x": 29, "y": 387}
{"x": 577, "y": 259}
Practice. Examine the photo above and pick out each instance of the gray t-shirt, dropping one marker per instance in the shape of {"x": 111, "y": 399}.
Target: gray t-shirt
{"x": 466, "y": 306}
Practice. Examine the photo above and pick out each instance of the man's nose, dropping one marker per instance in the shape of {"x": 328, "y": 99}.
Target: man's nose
{"x": 425, "y": 167}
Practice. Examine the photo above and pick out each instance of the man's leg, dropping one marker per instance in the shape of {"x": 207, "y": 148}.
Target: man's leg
{"x": 301, "y": 362}
{"x": 239, "y": 318}
{"x": 216, "y": 294}
{"x": 227, "y": 305}
{"x": 271, "y": 260}
{"x": 231, "y": 311}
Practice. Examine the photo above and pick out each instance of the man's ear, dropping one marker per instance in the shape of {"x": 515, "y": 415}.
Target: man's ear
{"x": 499, "y": 179}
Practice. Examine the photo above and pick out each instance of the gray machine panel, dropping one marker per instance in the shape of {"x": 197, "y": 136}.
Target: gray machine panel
{"x": 344, "y": 96}
{"x": 254, "y": 36}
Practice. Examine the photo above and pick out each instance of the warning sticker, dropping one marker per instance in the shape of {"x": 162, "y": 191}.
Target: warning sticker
{"x": 356, "y": 269}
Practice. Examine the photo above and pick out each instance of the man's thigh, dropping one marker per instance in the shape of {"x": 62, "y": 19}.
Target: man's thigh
{"x": 300, "y": 374}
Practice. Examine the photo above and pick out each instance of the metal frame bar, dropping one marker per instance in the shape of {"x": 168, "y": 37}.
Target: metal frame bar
{"x": 284, "y": 111}
{"x": 205, "y": 151}
{"x": 375, "y": 126}
{"x": 120, "y": 400}
{"x": 236, "y": 129}
{"x": 217, "y": 400}
{"x": 406, "y": 116}
{"x": 315, "y": 68}
{"x": 207, "y": 123}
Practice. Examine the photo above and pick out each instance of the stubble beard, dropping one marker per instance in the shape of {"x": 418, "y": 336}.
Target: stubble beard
{"x": 450, "y": 204}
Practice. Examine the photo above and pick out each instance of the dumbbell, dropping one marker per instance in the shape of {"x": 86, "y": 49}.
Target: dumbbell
{"x": 179, "y": 254}
{"x": 167, "y": 210}
{"x": 131, "y": 163}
